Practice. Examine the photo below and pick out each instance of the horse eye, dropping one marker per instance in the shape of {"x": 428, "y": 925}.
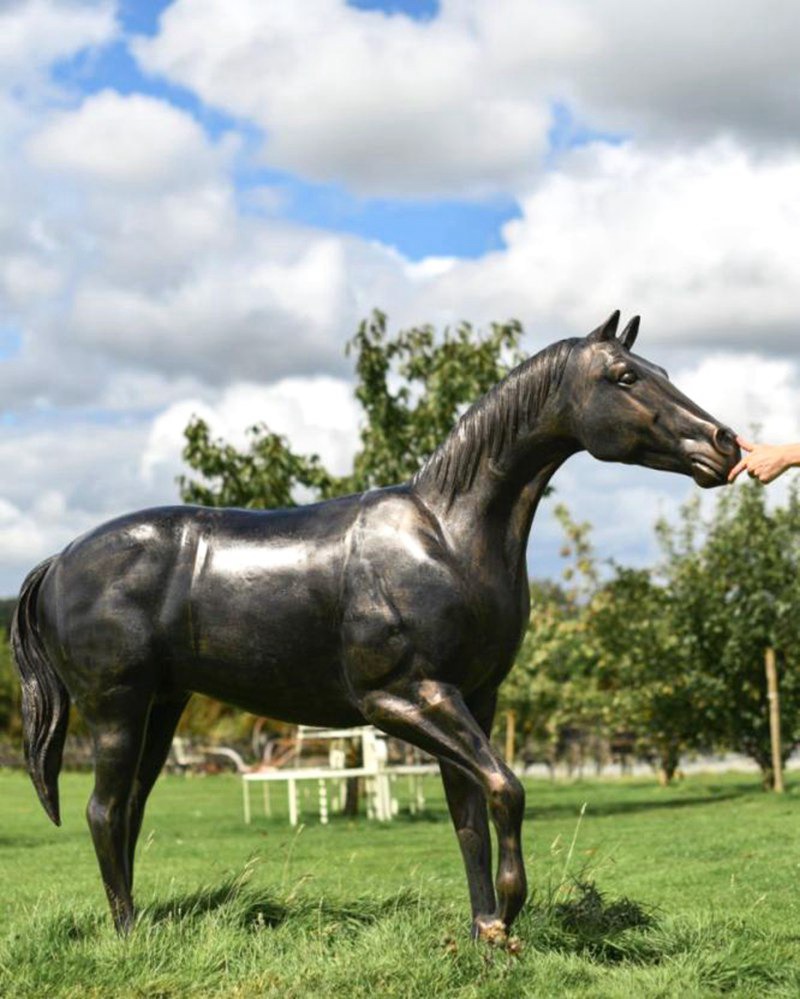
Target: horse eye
{"x": 627, "y": 378}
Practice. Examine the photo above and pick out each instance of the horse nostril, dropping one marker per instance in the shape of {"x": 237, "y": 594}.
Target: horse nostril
{"x": 724, "y": 440}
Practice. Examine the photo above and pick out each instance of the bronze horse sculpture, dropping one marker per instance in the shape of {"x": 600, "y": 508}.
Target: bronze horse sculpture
{"x": 402, "y": 607}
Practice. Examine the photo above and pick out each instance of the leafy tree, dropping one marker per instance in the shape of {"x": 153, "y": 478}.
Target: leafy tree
{"x": 553, "y": 687}
{"x": 734, "y": 594}
{"x": 266, "y": 474}
{"x": 656, "y": 689}
{"x": 10, "y": 718}
{"x": 603, "y": 658}
{"x": 437, "y": 379}
{"x": 412, "y": 387}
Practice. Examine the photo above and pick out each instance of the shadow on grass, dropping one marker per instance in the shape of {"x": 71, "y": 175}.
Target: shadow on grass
{"x": 618, "y": 807}
{"x": 714, "y": 794}
{"x": 261, "y": 908}
{"x": 22, "y": 842}
{"x": 575, "y": 917}
{"x": 190, "y": 905}
{"x": 580, "y": 919}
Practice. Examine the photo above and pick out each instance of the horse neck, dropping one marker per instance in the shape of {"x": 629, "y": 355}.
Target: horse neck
{"x": 493, "y": 517}
{"x": 485, "y": 482}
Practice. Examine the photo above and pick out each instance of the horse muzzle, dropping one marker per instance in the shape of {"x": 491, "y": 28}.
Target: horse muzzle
{"x": 711, "y": 460}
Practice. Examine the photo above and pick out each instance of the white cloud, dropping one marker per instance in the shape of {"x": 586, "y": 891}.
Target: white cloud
{"x": 318, "y": 415}
{"x": 748, "y": 390}
{"x": 622, "y": 503}
{"x": 125, "y": 251}
{"x": 700, "y": 241}
{"x": 384, "y": 104}
{"x": 35, "y": 33}
{"x": 143, "y": 289}
{"x": 677, "y": 69}
{"x": 64, "y": 477}
{"x": 132, "y": 141}
{"x": 462, "y": 103}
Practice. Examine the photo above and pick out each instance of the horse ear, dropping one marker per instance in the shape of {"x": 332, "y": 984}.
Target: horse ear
{"x": 606, "y": 331}
{"x": 628, "y": 336}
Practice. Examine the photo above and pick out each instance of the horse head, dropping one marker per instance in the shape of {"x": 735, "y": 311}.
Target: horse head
{"x": 624, "y": 408}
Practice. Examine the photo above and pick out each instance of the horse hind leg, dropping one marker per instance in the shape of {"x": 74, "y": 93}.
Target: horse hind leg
{"x": 118, "y": 724}
{"x": 161, "y": 724}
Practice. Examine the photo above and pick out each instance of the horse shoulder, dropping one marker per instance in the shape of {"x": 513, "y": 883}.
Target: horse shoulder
{"x": 394, "y": 537}
{"x": 402, "y": 599}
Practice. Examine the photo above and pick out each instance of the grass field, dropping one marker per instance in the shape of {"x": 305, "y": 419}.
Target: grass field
{"x": 688, "y": 891}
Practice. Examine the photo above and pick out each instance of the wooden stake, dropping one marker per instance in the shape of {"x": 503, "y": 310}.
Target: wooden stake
{"x": 511, "y": 720}
{"x": 774, "y": 719}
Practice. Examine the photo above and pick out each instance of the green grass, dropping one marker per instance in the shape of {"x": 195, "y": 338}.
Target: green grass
{"x": 688, "y": 891}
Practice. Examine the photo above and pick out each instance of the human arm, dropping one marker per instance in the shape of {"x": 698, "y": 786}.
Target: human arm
{"x": 765, "y": 462}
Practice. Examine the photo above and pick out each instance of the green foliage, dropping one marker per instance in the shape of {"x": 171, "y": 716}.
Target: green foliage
{"x": 412, "y": 387}
{"x": 676, "y": 662}
{"x": 6, "y": 612}
{"x": 553, "y": 687}
{"x": 735, "y": 593}
{"x": 10, "y": 719}
{"x": 656, "y": 689}
{"x": 436, "y": 379}
{"x": 265, "y": 475}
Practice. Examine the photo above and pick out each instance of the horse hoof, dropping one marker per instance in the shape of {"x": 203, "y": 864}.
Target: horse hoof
{"x": 124, "y": 923}
{"x": 493, "y": 932}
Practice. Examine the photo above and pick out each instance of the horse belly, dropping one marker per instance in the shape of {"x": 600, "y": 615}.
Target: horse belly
{"x": 268, "y": 644}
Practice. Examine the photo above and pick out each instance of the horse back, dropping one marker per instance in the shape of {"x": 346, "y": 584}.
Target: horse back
{"x": 232, "y": 603}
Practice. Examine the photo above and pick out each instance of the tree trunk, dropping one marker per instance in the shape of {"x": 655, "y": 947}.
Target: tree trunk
{"x": 669, "y": 758}
{"x": 774, "y": 721}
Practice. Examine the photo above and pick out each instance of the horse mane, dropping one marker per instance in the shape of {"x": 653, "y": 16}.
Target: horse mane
{"x": 491, "y": 424}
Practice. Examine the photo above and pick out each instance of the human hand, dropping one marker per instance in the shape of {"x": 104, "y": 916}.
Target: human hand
{"x": 765, "y": 462}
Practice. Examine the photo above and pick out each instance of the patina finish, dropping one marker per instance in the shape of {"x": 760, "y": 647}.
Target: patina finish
{"x": 401, "y": 607}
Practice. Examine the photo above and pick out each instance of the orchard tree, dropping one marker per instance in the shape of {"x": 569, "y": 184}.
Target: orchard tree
{"x": 656, "y": 688}
{"x": 553, "y": 687}
{"x": 10, "y": 718}
{"x": 735, "y": 593}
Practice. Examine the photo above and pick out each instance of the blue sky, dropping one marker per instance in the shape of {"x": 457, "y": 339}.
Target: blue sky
{"x": 197, "y": 211}
{"x": 418, "y": 228}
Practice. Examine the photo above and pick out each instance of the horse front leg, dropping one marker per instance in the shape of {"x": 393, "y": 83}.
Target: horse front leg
{"x": 468, "y": 811}
{"x": 434, "y": 716}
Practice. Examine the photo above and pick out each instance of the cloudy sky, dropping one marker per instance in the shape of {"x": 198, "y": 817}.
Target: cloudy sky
{"x": 200, "y": 199}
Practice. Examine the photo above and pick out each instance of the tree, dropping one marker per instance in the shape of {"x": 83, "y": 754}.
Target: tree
{"x": 10, "y": 718}
{"x": 603, "y": 658}
{"x": 435, "y": 379}
{"x": 656, "y": 688}
{"x": 267, "y": 474}
{"x": 553, "y": 686}
{"x": 735, "y": 593}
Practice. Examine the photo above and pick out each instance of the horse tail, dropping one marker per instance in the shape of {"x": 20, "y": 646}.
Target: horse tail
{"x": 45, "y": 700}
